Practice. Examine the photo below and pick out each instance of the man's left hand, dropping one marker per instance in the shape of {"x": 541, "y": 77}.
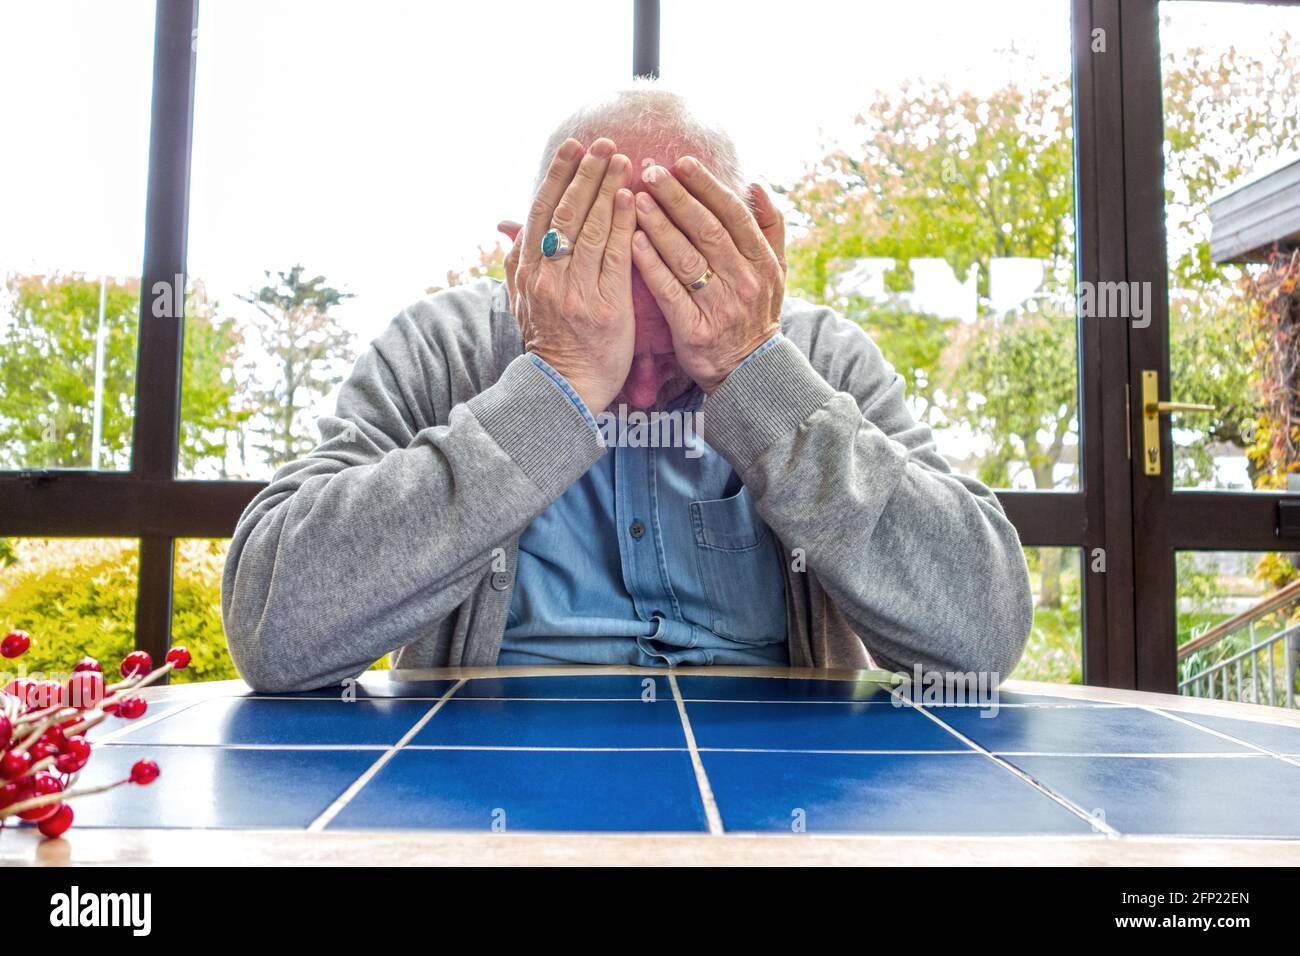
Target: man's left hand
{"x": 689, "y": 223}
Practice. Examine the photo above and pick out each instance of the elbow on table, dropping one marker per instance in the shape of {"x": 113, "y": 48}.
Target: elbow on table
{"x": 1009, "y": 621}
{"x": 273, "y": 659}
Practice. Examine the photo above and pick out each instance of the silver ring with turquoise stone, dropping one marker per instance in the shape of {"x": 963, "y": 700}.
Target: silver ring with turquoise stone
{"x": 555, "y": 244}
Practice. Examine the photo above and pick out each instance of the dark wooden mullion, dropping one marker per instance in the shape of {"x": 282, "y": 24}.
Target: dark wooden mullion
{"x": 1155, "y": 576}
{"x": 1108, "y": 603}
{"x": 156, "y": 437}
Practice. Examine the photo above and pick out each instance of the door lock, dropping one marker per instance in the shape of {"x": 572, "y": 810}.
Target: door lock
{"x": 1152, "y": 409}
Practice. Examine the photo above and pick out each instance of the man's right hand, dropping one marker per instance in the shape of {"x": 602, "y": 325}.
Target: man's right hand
{"x": 575, "y": 311}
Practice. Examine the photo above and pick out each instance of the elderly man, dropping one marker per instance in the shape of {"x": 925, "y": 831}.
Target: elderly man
{"x": 469, "y": 504}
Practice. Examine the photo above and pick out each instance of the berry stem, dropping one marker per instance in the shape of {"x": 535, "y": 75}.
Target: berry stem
{"x": 44, "y": 801}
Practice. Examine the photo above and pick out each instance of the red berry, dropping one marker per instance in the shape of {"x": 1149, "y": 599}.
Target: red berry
{"x": 11, "y": 793}
{"x": 21, "y": 687}
{"x": 87, "y": 664}
{"x": 15, "y": 644}
{"x": 85, "y": 690}
{"x": 6, "y": 731}
{"x": 144, "y": 772}
{"x": 14, "y": 764}
{"x": 57, "y": 825}
{"x": 47, "y": 693}
{"x": 179, "y": 657}
{"x": 76, "y": 751}
{"x": 40, "y": 750}
{"x": 131, "y": 708}
{"x": 43, "y": 786}
{"x": 137, "y": 662}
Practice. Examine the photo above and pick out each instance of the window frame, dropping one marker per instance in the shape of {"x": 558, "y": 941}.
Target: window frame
{"x": 1118, "y": 140}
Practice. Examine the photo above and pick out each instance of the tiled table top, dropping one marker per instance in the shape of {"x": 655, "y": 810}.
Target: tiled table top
{"x": 651, "y": 753}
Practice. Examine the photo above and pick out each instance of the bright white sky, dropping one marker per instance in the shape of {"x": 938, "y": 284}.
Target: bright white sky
{"x": 379, "y": 142}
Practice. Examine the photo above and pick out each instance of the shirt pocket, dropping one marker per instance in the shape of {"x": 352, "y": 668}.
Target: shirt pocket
{"x": 740, "y": 570}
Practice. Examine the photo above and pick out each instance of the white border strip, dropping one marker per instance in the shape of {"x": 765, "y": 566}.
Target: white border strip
{"x": 711, "y": 813}
{"x": 333, "y": 810}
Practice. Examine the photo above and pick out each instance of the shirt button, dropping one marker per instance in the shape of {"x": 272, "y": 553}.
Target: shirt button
{"x": 636, "y": 530}
{"x": 500, "y": 580}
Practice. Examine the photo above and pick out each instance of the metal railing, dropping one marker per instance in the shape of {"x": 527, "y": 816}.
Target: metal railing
{"x": 1251, "y": 674}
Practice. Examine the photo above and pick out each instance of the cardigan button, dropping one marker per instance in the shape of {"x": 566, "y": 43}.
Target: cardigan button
{"x": 500, "y": 580}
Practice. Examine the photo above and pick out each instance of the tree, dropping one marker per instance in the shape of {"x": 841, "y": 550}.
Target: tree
{"x": 306, "y": 346}
{"x": 491, "y": 262}
{"x": 47, "y": 355}
{"x": 48, "y": 359}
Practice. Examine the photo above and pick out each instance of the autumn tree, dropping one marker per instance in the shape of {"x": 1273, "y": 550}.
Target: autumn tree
{"x": 306, "y": 348}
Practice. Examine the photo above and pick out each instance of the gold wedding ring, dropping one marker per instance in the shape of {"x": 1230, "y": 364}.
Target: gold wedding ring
{"x": 702, "y": 281}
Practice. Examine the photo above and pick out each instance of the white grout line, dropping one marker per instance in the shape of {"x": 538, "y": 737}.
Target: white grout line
{"x": 1064, "y": 802}
{"x": 134, "y": 725}
{"x": 1218, "y": 733}
{"x": 711, "y": 813}
{"x": 333, "y": 810}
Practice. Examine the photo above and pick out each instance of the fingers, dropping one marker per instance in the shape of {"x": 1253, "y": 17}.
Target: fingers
{"x": 558, "y": 177}
{"x": 699, "y": 225}
{"x": 723, "y": 203}
{"x": 509, "y": 228}
{"x": 578, "y": 198}
{"x": 769, "y": 220}
{"x": 674, "y": 301}
{"x": 616, "y": 268}
{"x": 673, "y": 248}
{"x": 589, "y": 250}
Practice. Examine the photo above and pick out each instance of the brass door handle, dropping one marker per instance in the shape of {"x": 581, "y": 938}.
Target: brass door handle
{"x": 1164, "y": 408}
{"x": 1152, "y": 409}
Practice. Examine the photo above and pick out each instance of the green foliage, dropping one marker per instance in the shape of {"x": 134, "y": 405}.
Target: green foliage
{"x": 47, "y": 355}
{"x": 196, "y": 611}
{"x": 74, "y": 601}
{"x": 913, "y": 342}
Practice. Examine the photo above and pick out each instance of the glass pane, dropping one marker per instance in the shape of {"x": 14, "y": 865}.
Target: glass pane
{"x": 925, "y": 160}
{"x": 72, "y": 197}
{"x": 74, "y": 596}
{"x": 1238, "y": 618}
{"x": 1232, "y": 136}
{"x": 374, "y": 146}
{"x": 196, "y": 609}
{"x": 1055, "y": 649}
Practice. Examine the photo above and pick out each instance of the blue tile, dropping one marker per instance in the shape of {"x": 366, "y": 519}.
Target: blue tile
{"x": 1179, "y": 796}
{"x": 370, "y": 685}
{"x": 1278, "y": 738}
{"x": 867, "y": 793}
{"x": 1086, "y": 730}
{"x": 603, "y": 686}
{"x": 778, "y": 689}
{"x": 808, "y": 726}
{"x": 115, "y": 724}
{"x": 554, "y": 723}
{"x": 237, "y": 720}
{"x": 594, "y": 791}
{"x": 211, "y": 787}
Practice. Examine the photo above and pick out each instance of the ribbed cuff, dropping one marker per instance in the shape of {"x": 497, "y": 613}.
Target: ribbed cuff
{"x": 565, "y": 387}
{"x": 538, "y": 426}
{"x": 766, "y": 397}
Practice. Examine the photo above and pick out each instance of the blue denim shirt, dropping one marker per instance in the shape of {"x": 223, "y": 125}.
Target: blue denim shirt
{"x": 656, "y": 556}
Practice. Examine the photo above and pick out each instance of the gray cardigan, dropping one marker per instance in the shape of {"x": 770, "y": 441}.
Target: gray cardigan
{"x": 399, "y": 532}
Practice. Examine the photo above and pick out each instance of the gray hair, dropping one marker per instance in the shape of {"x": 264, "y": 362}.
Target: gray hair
{"x": 656, "y": 119}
